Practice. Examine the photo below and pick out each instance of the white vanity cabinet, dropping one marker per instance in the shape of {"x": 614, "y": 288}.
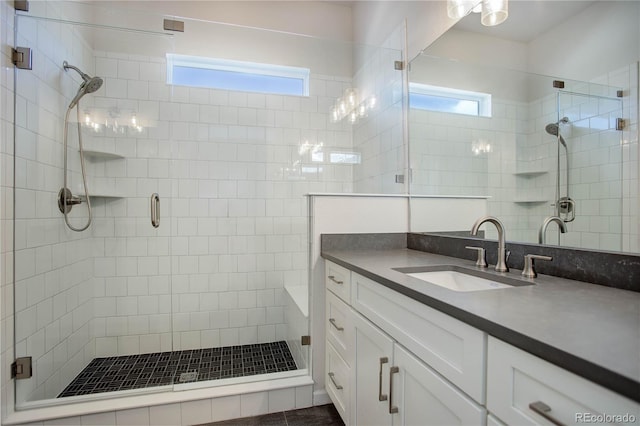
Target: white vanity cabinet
{"x": 400, "y": 362}
{"x": 388, "y": 385}
{"x": 523, "y": 389}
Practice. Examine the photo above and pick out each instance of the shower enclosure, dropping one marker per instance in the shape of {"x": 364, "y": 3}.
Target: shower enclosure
{"x": 217, "y": 293}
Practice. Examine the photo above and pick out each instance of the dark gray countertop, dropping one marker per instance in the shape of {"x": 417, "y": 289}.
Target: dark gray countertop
{"x": 590, "y": 330}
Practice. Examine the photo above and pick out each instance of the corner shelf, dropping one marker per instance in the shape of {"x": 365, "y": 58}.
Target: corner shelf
{"x": 102, "y": 154}
{"x": 531, "y": 173}
{"x": 103, "y": 195}
{"x": 530, "y": 201}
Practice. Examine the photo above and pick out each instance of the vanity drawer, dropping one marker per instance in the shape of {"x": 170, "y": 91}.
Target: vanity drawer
{"x": 339, "y": 326}
{"x": 338, "y": 280}
{"x": 337, "y": 382}
{"x": 518, "y": 381}
{"x": 452, "y": 348}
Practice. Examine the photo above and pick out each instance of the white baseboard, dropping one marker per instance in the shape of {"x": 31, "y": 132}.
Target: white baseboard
{"x": 321, "y": 397}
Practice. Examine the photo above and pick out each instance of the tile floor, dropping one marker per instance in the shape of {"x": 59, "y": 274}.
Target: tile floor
{"x": 323, "y": 415}
{"x": 164, "y": 368}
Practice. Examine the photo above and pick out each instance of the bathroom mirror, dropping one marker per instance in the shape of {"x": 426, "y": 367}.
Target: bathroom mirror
{"x": 515, "y": 124}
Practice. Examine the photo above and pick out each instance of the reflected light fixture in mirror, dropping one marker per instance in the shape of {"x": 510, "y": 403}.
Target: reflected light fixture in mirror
{"x": 493, "y": 12}
{"x": 457, "y": 9}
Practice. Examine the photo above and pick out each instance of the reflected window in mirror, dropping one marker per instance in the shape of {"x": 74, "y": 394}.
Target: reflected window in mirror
{"x": 446, "y": 99}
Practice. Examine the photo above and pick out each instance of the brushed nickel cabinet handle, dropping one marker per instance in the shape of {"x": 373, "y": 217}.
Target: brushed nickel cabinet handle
{"x": 333, "y": 323}
{"x": 155, "y": 210}
{"x": 333, "y": 278}
{"x": 333, "y": 380}
{"x": 543, "y": 409}
{"x": 392, "y": 371}
{"x": 381, "y": 397}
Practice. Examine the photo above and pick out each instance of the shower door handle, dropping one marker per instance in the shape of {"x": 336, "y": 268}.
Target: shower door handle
{"x": 155, "y": 210}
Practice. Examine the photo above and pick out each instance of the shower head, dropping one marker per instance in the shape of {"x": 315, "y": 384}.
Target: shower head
{"x": 554, "y": 130}
{"x": 89, "y": 84}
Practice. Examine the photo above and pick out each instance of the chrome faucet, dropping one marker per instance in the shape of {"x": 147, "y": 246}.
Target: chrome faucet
{"x": 501, "y": 265}
{"x": 543, "y": 229}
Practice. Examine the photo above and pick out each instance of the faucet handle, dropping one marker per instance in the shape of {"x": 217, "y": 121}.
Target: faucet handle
{"x": 529, "y": 267}
{"x": 481, "y": 261}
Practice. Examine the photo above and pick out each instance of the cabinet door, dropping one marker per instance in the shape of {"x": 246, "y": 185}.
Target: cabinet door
{"x": 523, "y": 389}
{"x": 424, "y": 398}
{"x": 370, "y": 390}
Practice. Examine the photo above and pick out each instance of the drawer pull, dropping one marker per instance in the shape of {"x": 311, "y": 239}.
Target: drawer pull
{"x": 333, "y": 278}
{"x": 337, "y": 386}
{"x": 544, "y": 410}
{"x": 333, "y": 323}
{"x": 381, "y": 397}
{"x": 392, "y": 371}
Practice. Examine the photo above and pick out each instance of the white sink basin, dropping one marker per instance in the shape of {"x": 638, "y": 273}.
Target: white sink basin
{"x": 457, "y": 278}
{"x": 458, "y": 281}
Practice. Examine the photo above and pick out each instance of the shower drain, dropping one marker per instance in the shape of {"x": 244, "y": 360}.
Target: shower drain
{"x": 188, "y": 377}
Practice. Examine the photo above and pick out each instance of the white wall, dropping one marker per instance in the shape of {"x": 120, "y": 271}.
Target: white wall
{"x": 433, "y": 214}
{"x": 603, "y": 38}
{"x": 374, "y": 21}
{"x": 481, "y": 49}
{"x": 327, "y": 20}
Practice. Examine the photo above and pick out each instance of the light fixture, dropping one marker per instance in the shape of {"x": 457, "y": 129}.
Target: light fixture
{"x": 493, "y": 12}
{"x": 457, "y": 9}
{"x": 350, "y": 107}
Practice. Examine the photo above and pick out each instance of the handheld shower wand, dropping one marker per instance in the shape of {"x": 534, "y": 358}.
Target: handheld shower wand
{"x": 88, "y": 85}
{"x": 66, "y": 199}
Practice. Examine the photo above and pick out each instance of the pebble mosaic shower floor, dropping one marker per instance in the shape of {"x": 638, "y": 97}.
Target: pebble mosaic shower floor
{"x": 165, "y": 368}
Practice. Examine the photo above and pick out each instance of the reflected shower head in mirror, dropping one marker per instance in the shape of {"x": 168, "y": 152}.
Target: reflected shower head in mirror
{"x": 89, "y": 84}
{"x": 554, "y": 130}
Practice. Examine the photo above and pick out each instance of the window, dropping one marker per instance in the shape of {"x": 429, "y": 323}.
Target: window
{"x": 225, "y": 74}
{"x": 444, "y": 99}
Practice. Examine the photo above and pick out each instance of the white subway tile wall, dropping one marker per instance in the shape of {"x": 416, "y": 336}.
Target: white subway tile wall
{"x": 230, "y": 168}
{"x": 378, "y": 137}
{"x": 54, "y": 266}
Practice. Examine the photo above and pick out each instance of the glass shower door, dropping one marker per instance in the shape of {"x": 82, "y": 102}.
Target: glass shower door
{"x": 590, "y": 191}
{"x": 88, "y": 303}
{"x": 240, "y": 171}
